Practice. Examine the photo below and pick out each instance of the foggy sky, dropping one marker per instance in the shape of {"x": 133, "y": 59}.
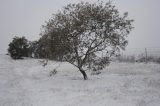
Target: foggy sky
{"x": 25, "y": 18}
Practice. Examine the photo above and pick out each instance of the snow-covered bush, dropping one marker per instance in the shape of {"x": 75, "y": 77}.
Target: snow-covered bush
{"x": 53, "y": 72}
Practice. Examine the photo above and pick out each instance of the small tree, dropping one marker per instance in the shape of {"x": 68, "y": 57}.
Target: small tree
{"x": 87, "y": 35}
{"x": 18, "y": 48}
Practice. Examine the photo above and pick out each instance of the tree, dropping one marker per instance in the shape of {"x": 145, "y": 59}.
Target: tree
{"x": 36, "y": 49}
{"x": 87, "y": 35}
{"x": 40, "y": 51}
{"x": 18, "y": 48}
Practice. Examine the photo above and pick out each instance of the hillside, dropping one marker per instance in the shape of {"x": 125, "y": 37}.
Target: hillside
{"x": 27, "y": 83}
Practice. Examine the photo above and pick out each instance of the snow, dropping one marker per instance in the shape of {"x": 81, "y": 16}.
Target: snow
{"x": 27, "y": 83}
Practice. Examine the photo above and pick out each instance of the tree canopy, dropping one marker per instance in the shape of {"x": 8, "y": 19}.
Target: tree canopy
{"x": 86, "y": 34}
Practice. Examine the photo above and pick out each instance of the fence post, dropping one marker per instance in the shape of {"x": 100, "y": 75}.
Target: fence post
{"x": 146, "y": 58}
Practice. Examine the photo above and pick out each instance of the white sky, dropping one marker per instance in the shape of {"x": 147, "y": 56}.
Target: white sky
{"x": 25, "y": 18}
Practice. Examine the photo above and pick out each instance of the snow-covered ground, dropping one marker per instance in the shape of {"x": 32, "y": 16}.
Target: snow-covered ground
{"x": 27, "y": 83}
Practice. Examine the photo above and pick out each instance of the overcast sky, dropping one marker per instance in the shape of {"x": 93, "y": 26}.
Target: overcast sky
{"x": 25, "y": 18}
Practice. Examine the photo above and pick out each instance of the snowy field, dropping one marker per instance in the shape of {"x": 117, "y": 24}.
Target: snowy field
{"x": 27, "y": 83}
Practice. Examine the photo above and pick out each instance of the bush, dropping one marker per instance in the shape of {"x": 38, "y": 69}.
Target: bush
{"x": 125, "y": 58}
{"x": 18, "y": 48}
{"x": 53, "y": 72}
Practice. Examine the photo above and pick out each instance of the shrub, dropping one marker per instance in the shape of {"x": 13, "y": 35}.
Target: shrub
{"x": 18, "y": 48}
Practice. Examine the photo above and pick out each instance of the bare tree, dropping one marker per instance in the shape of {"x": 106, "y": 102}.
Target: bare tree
{"x": 87, "y": 35}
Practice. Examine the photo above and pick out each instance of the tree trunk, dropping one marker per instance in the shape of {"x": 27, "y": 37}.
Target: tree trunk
{"x": 84, "y": 74}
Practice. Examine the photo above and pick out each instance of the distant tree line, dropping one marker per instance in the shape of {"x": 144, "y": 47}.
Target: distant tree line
{"x": 20, "y": 47}
{"x": 141, "y": 58}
